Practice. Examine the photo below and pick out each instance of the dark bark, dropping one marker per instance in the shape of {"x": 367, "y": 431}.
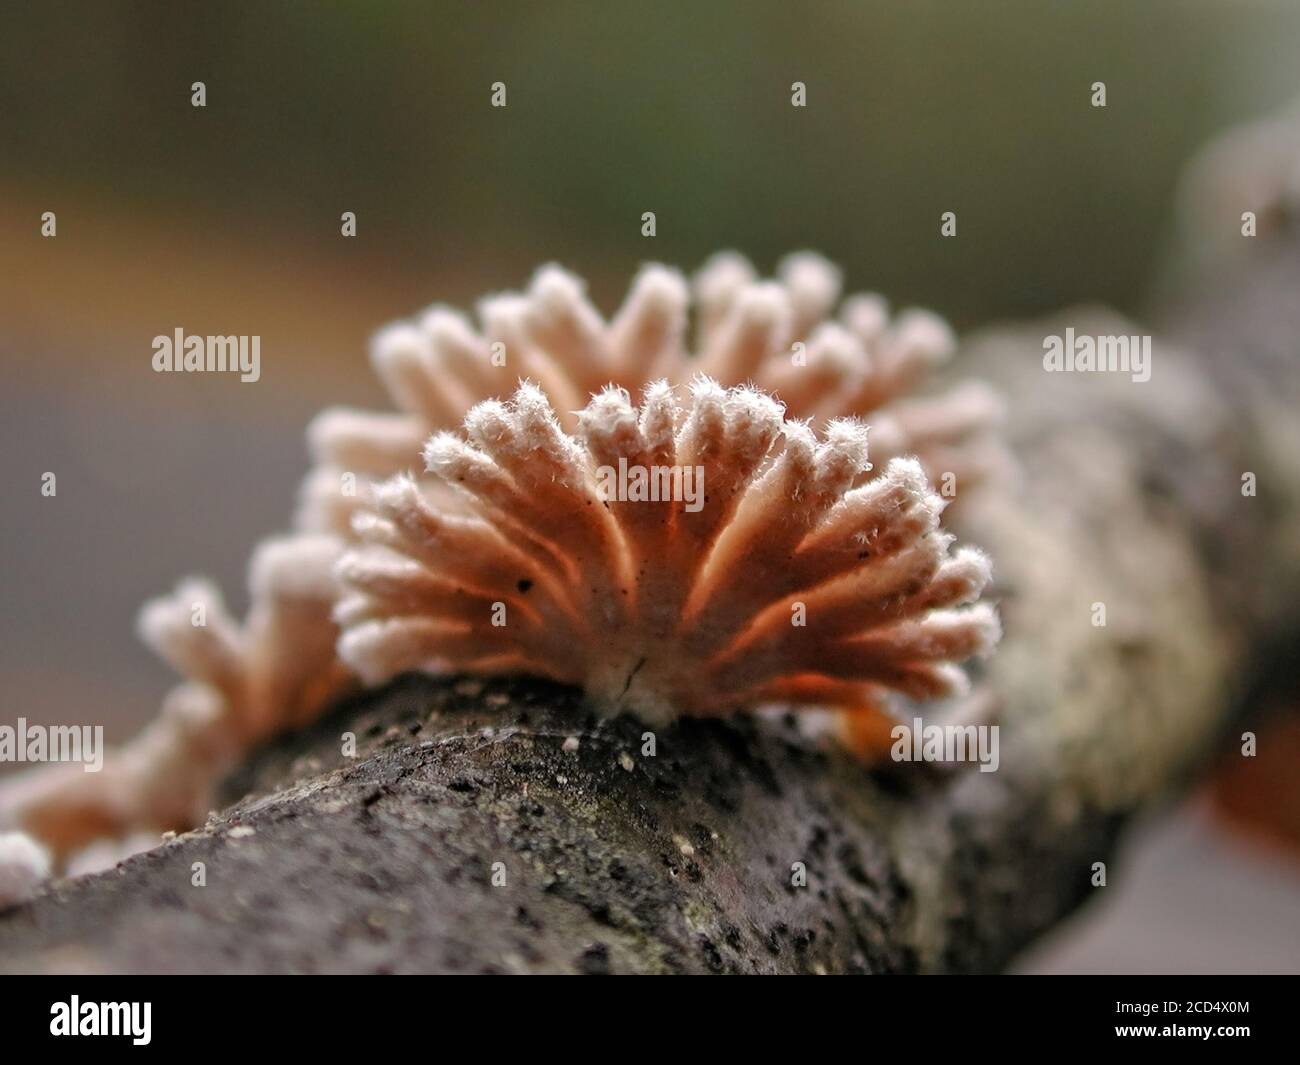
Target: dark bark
{"x": 681, "y": 862}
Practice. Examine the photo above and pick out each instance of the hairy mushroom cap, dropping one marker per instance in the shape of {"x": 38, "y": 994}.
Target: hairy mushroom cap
{"x": 675, "y": 597}
{"x": 784, "y": 336}
{"x": 692, "y": 557}
{"x": 243, "y": 683}
{"x": 24, "y": 866}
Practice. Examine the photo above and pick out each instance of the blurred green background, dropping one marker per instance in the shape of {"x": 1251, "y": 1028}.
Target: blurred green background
{"x": 226, "y": 220}
{"x": 682, "y": 108}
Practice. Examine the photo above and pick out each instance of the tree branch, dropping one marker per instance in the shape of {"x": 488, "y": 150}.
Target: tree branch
{"x": 1129, "y": 496}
